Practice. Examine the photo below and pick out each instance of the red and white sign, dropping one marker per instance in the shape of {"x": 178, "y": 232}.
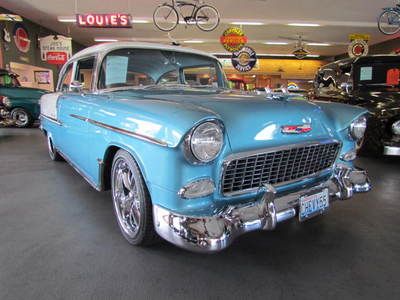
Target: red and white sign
{"x": 393, "y": 76}
{"x": 116, "y": 20}
{"x": 21, "y": 38}
{"x": 56, "y": 58}
{"x": 55, "y": 49}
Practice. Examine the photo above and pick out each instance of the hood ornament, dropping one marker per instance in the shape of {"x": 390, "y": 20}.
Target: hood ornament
{"x": 296, "y": 129}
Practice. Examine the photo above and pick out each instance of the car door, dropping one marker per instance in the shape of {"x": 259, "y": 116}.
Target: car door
{"x": 73, "y": 111}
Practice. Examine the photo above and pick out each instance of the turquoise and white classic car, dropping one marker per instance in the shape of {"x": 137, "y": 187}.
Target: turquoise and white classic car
{"x": 188, "y": 159}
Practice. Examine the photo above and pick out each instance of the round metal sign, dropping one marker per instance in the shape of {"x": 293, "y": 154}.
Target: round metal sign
{"x": 233, "y": 39}
{"x": 358, "y": 48}
{"x": 21, "y": 38}
{"x": 244, "y": 60}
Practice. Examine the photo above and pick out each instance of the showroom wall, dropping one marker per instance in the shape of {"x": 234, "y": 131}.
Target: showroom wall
{"x": 26, "y": 63}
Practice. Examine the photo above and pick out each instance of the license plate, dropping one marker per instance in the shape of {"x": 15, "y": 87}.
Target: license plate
{"x": 312, "y": 205}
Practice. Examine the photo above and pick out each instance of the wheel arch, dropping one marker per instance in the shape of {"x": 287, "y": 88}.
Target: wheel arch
{"x": 108, "y": 158}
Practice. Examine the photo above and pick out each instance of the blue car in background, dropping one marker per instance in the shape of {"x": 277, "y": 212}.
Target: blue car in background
{"x": 188, "y": 159}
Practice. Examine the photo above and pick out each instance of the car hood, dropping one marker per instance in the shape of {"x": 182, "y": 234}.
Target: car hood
{"x": 22, "y": 92}
{"x": 252, "y": 121}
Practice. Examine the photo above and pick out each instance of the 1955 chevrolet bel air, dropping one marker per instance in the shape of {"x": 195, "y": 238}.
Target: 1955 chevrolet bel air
{"x": 188, "y": 159}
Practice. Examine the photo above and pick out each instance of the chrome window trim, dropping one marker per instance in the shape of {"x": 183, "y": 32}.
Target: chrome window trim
{"x": 244, "y": 154}
{"x": 122, "y": 131}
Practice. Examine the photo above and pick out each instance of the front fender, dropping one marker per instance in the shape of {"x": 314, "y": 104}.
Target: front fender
{"x": 341, "y": 115}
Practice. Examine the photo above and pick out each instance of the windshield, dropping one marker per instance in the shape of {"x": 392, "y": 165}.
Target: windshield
{"x": 378, "y": 76}
{"x": 141, "y": 68}
{"x": 7, "y": 80}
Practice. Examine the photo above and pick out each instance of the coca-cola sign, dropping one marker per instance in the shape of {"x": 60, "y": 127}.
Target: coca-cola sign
{"x": 55, "y": 49}
{"x": 116, "y": 20}
{"x": 56, "y": 58}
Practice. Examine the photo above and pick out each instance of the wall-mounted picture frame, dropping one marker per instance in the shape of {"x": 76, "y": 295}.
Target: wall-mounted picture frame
{"x": 42, "y": 77}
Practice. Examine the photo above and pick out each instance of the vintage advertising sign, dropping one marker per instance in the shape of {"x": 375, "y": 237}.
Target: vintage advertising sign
{"x": 115, "y": 20}
{"x": 233, "y": 39}
{"x": 358, "y": 48}
{"x": 21, "y": 38}
{"x": 393, "y": 76}
{"x": 55, "y": 49}
{"x": 300, "y": 53}
{"x": 244, "y": 60}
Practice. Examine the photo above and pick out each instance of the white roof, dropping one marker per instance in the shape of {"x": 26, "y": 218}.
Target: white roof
{"x": 107, "y": 47}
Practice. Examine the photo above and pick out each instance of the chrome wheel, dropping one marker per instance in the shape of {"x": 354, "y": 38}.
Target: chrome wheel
{"x": 126, "y": 198}
{"x": 20, "y": 117}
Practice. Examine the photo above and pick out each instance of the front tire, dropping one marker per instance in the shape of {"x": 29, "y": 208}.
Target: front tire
{"x": 21, "y": 118}
{"x": 131, "y": 201}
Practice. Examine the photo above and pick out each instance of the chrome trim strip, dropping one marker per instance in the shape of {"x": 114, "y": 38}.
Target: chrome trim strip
{"x": 278, "y": 148}
{"x": 391, "y": 150}
{"x": 240, "y": 155}
{"x": 80, "y": 172}
{"x": 122, "y": 131}
{"x": 51, "y": 120}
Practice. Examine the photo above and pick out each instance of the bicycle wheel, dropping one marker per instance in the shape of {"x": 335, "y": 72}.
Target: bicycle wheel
{"x": 165, "y": 17}
{"x": 207, "y": 18}
{"x": 389, "y": 22}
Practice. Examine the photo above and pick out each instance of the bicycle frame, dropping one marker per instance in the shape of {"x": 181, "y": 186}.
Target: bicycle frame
{"x": 179, "y": 4}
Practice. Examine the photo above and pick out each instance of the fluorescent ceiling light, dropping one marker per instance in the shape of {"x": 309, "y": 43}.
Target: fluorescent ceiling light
{"x": 105, "y": 40}
{"x": 247, "y": 23}
{"x": 319, "y": 44}
{"x": 276, "y": 43}
{"x": 66, "y": 19}
{"x": 304, "y": 24}
{"x": 268, "y": 54}
{"x": 193, "y": 42}
{"x": 140, "y": 21}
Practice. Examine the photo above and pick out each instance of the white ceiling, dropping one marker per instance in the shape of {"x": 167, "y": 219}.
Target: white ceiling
{"x": 338, "y": 19}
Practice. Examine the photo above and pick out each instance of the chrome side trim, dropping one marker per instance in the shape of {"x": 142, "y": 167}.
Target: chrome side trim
{"x": 122, "y": 131}
{"x": 80, "y": 172}
{"x": 55, "y": 121}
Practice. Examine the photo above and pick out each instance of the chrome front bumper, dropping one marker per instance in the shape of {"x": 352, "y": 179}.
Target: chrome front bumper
{"x": 215, "y": 233}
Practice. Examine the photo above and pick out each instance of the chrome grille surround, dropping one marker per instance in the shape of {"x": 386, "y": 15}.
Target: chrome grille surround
{"x": 246, "y": 172}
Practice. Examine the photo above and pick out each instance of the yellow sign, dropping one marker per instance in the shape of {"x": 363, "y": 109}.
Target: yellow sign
{"x": 359, "y": 36}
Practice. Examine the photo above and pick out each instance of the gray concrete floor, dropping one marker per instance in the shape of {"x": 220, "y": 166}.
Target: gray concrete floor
{"x": 59, "y": 240}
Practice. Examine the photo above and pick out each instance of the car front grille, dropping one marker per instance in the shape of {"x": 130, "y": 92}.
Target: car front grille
{"x": 244, "y": 173}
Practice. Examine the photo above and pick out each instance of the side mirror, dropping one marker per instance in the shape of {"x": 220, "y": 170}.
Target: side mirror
{"x": 76, "y": 86}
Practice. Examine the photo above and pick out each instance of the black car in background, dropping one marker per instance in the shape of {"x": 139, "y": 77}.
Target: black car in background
{"x": 373, "y": 83}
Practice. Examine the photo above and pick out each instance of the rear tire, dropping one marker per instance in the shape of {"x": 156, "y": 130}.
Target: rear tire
{"x": 131, "y": 201}
{"x": 54, "y": 155}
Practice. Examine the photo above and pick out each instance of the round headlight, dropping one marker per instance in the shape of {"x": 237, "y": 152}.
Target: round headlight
{"x": 358, "y": 127}
{"x": 396, "y": 127}
{"x": 206, "y": 141}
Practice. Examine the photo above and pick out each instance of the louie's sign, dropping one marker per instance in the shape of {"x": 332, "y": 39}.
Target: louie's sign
{"x": 116, "y": 20}
{"x": 55, "y": 50}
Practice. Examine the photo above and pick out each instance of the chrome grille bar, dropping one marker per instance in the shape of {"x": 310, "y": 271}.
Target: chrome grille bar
{"x": 245, "y": 172}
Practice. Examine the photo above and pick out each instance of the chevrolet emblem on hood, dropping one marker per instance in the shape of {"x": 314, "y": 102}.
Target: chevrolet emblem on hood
{"x": 296, "y": 129}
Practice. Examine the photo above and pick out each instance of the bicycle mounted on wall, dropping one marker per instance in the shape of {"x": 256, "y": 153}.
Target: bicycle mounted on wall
{"x": 389, "y": 20}
{"x": 166, "y": 16}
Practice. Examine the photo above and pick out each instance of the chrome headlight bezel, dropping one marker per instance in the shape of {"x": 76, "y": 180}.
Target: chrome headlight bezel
{"x": 192, "y": 142}
{"x": 358, "y": 127}
{"x": 396, "y": 127}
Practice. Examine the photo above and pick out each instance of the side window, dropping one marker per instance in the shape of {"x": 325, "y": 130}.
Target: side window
{"x": 171, "y": 77}
{"x": 66, "y": 79}
{"x": 84, "y": 72}
{"x": 201, "y": 76}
